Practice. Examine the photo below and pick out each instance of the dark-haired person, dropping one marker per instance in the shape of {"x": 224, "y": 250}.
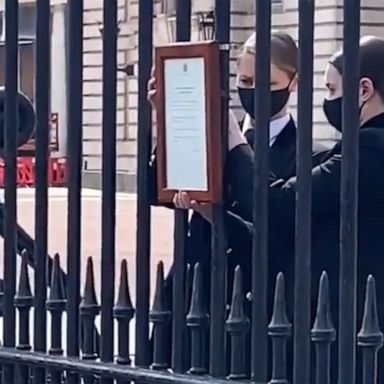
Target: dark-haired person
{"x": 326, "y": 187}
{"x": 284, "y": 66}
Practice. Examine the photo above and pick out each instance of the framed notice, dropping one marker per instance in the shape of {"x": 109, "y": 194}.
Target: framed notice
{"x": 189, "y": 150}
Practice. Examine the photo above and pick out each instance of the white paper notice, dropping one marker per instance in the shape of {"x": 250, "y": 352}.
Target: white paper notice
{"x": 185, "y": 124}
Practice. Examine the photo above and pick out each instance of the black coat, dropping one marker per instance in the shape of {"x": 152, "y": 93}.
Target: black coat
{"x": 282, "y": 159}
{"x": 198, "y": 248}
{"x": 325, "y": 215}
{"x": 198, "y": 244}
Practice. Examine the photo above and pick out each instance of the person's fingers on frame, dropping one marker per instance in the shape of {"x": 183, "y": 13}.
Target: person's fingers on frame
{"x": 151, "y": 95}
{"x": 195, "y": 205}
{"x": 181, "y": 203}
{"x": 176, "y": 200}
{"x": 151, "y": 84}
{"x": 185, "y": 200}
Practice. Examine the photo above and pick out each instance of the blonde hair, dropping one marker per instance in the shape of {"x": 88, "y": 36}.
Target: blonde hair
{"x": 284, "y": 51}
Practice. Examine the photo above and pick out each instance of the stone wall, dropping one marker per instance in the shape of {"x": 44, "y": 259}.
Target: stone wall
{"x": 126, "y": 144}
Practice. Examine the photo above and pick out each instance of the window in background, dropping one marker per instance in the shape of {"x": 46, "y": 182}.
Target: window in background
{"x": 27, "y": 36}
{"x": 168, "y": 7}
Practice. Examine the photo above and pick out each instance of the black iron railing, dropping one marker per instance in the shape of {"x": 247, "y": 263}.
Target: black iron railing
{"x": 208, "y": 337}
{"x": 122, "y": 367}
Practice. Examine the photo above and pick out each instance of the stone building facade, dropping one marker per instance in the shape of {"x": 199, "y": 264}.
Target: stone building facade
{"x": 328, "y": 37}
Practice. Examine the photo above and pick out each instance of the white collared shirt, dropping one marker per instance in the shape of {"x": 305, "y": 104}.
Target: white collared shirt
{"x": 275, "y": 126}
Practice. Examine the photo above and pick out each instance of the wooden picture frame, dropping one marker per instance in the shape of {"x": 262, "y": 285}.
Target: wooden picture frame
{"x": 201, "y": 59}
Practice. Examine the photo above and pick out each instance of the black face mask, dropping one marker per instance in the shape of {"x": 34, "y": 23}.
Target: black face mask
{"x": 333, "y": 112}
{"x": 279, "y": 99}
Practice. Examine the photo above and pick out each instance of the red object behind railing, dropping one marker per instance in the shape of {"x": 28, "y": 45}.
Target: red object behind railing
{"x": 57, "y": 172}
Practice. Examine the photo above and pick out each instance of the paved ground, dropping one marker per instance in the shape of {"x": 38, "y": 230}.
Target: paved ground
{"x": 162, "y": 227}
{"x": 162, "y": 230}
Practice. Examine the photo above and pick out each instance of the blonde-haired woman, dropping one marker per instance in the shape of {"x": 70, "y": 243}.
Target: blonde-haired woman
{"x": 284, "y": 66}
{"x": 282, "y": 155}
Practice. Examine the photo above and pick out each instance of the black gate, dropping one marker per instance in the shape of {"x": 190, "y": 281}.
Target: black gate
{"x": 82, "y": 358}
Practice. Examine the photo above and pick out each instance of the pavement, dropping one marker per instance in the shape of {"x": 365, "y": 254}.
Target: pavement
{"x": 161, "y": 223}
{"x": 161, "y": 239}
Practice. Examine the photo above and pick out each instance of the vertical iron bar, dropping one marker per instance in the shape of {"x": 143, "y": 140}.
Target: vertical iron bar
{"x": 197, "y": 321}
{"x": 143, "y": 206}
{"x": 56, "y": 306}
{"x": 349, "y": 194}
{"x": 183, "y": 20}
{"x": 41, "y": 195}
{"x": 108, "y": 180}
{"x": 1, "y": 297}
{"x": 89, "y": 309}
{"x": 217, "y": 361}
{"x": 160, "y": 316}
{"x": 183, "y": 33}
{"x": 74, "y": 153}
{"x": 280, "y": 330}
{"x": 1, "y": 315}
{"x": 302, "y": 303}
{"x": 10, "y": 140}
{"x": 24, "y": 302}
{"x": 238, "y": 326}
{"x": 123, "y": 312}
{"x": 260, "y": 195}
{"x": 323, "y": 333}
{"x": 370, "y": 337}
{"x": 187, "y": 302}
